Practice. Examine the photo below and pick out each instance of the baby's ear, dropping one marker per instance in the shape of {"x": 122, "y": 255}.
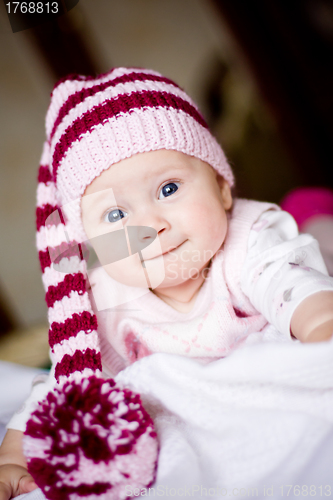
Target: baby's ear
{"x": 225, "y": 192}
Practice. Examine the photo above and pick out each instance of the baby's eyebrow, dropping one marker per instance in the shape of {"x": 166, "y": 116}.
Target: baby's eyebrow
{"x": 96, "y": 199}
{"x": 173, "y": 167}
{"x": 166, "y": 168}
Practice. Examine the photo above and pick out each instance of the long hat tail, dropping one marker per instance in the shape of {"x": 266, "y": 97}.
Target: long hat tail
{"x": 89, "y": 437}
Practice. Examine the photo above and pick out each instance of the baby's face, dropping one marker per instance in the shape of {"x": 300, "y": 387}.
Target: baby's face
{"x": 181, "y": 197}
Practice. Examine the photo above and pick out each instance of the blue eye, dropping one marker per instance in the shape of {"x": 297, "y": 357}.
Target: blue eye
{"x": 169, "y": 189}
{"x": 115, "y": 215}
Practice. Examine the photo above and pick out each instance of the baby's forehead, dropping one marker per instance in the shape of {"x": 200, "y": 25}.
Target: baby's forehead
{"x": 148, "y": 167}
{"x": 145, "y": 165}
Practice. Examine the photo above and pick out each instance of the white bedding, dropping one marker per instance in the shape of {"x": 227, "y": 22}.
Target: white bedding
{"x": 15, "y": 387}
{"x": 261, "y": 418}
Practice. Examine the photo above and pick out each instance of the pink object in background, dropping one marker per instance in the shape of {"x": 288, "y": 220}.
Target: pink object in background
{"x": 312, "y": 208}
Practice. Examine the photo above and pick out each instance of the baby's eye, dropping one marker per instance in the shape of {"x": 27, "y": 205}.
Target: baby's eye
{"x": 168, "y": 189}
{"x": 115, "y": 215}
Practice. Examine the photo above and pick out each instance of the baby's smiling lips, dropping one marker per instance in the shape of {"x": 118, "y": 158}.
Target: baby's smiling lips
{"x": 166, "y": 252}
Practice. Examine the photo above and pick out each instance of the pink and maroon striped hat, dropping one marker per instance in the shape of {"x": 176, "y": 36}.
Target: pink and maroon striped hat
{"x": 91, "y": 124}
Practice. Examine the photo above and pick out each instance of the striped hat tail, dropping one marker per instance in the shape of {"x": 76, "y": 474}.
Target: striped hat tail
{"x": 88, "y": 437}
{"x": 73, "y": 325}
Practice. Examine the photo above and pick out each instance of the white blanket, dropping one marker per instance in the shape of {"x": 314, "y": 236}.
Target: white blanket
{"x": 15, "y": 387}
{"x": 262, "y": 417}
{"x": 257, "y": 423}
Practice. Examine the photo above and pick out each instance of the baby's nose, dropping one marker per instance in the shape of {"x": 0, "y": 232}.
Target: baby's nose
{"x": 150, "y": 216}
{"x": 140, "y": 237}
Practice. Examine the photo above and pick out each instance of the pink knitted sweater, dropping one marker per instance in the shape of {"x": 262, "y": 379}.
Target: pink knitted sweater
{"x": 222, "y": 316}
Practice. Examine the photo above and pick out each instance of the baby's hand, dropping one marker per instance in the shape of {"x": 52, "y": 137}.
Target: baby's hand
{"x": 312, "y": 320}
{"x": 15, "y": 480}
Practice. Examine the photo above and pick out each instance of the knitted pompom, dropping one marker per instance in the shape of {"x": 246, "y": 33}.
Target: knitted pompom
{"x": 90, "y": 440}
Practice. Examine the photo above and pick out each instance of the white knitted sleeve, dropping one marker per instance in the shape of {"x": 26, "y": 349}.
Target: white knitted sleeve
{"x": 41, "y": 385}
{"x": 282, "y": 268}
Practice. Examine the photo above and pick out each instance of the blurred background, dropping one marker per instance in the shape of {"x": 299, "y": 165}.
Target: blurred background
{"x": 260, "y": 71}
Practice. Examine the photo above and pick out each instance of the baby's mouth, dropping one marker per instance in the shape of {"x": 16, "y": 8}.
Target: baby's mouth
{"x": 166, "y": 252}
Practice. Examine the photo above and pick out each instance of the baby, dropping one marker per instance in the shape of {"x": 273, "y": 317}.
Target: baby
{"x": 184, "y": 268}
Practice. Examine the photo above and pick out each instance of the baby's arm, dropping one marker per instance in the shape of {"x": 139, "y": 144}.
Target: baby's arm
{"x": 14, "y": 477}
{"x": 286, "y": 280}
{"x": 312, "y": 320}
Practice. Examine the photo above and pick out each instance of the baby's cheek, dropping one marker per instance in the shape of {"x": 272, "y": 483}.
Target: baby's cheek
{"x": 213, "y": 229}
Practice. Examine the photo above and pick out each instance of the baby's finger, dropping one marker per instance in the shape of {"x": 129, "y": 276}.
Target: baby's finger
{"x": 26, "y": 484}
{"x": 5, "y": 491}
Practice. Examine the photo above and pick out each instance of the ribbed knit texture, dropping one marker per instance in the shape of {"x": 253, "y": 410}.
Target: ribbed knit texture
{"x": 70, "y": 313}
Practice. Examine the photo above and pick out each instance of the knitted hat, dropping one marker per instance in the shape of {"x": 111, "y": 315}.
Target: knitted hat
{"x": 90, "y": 437}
